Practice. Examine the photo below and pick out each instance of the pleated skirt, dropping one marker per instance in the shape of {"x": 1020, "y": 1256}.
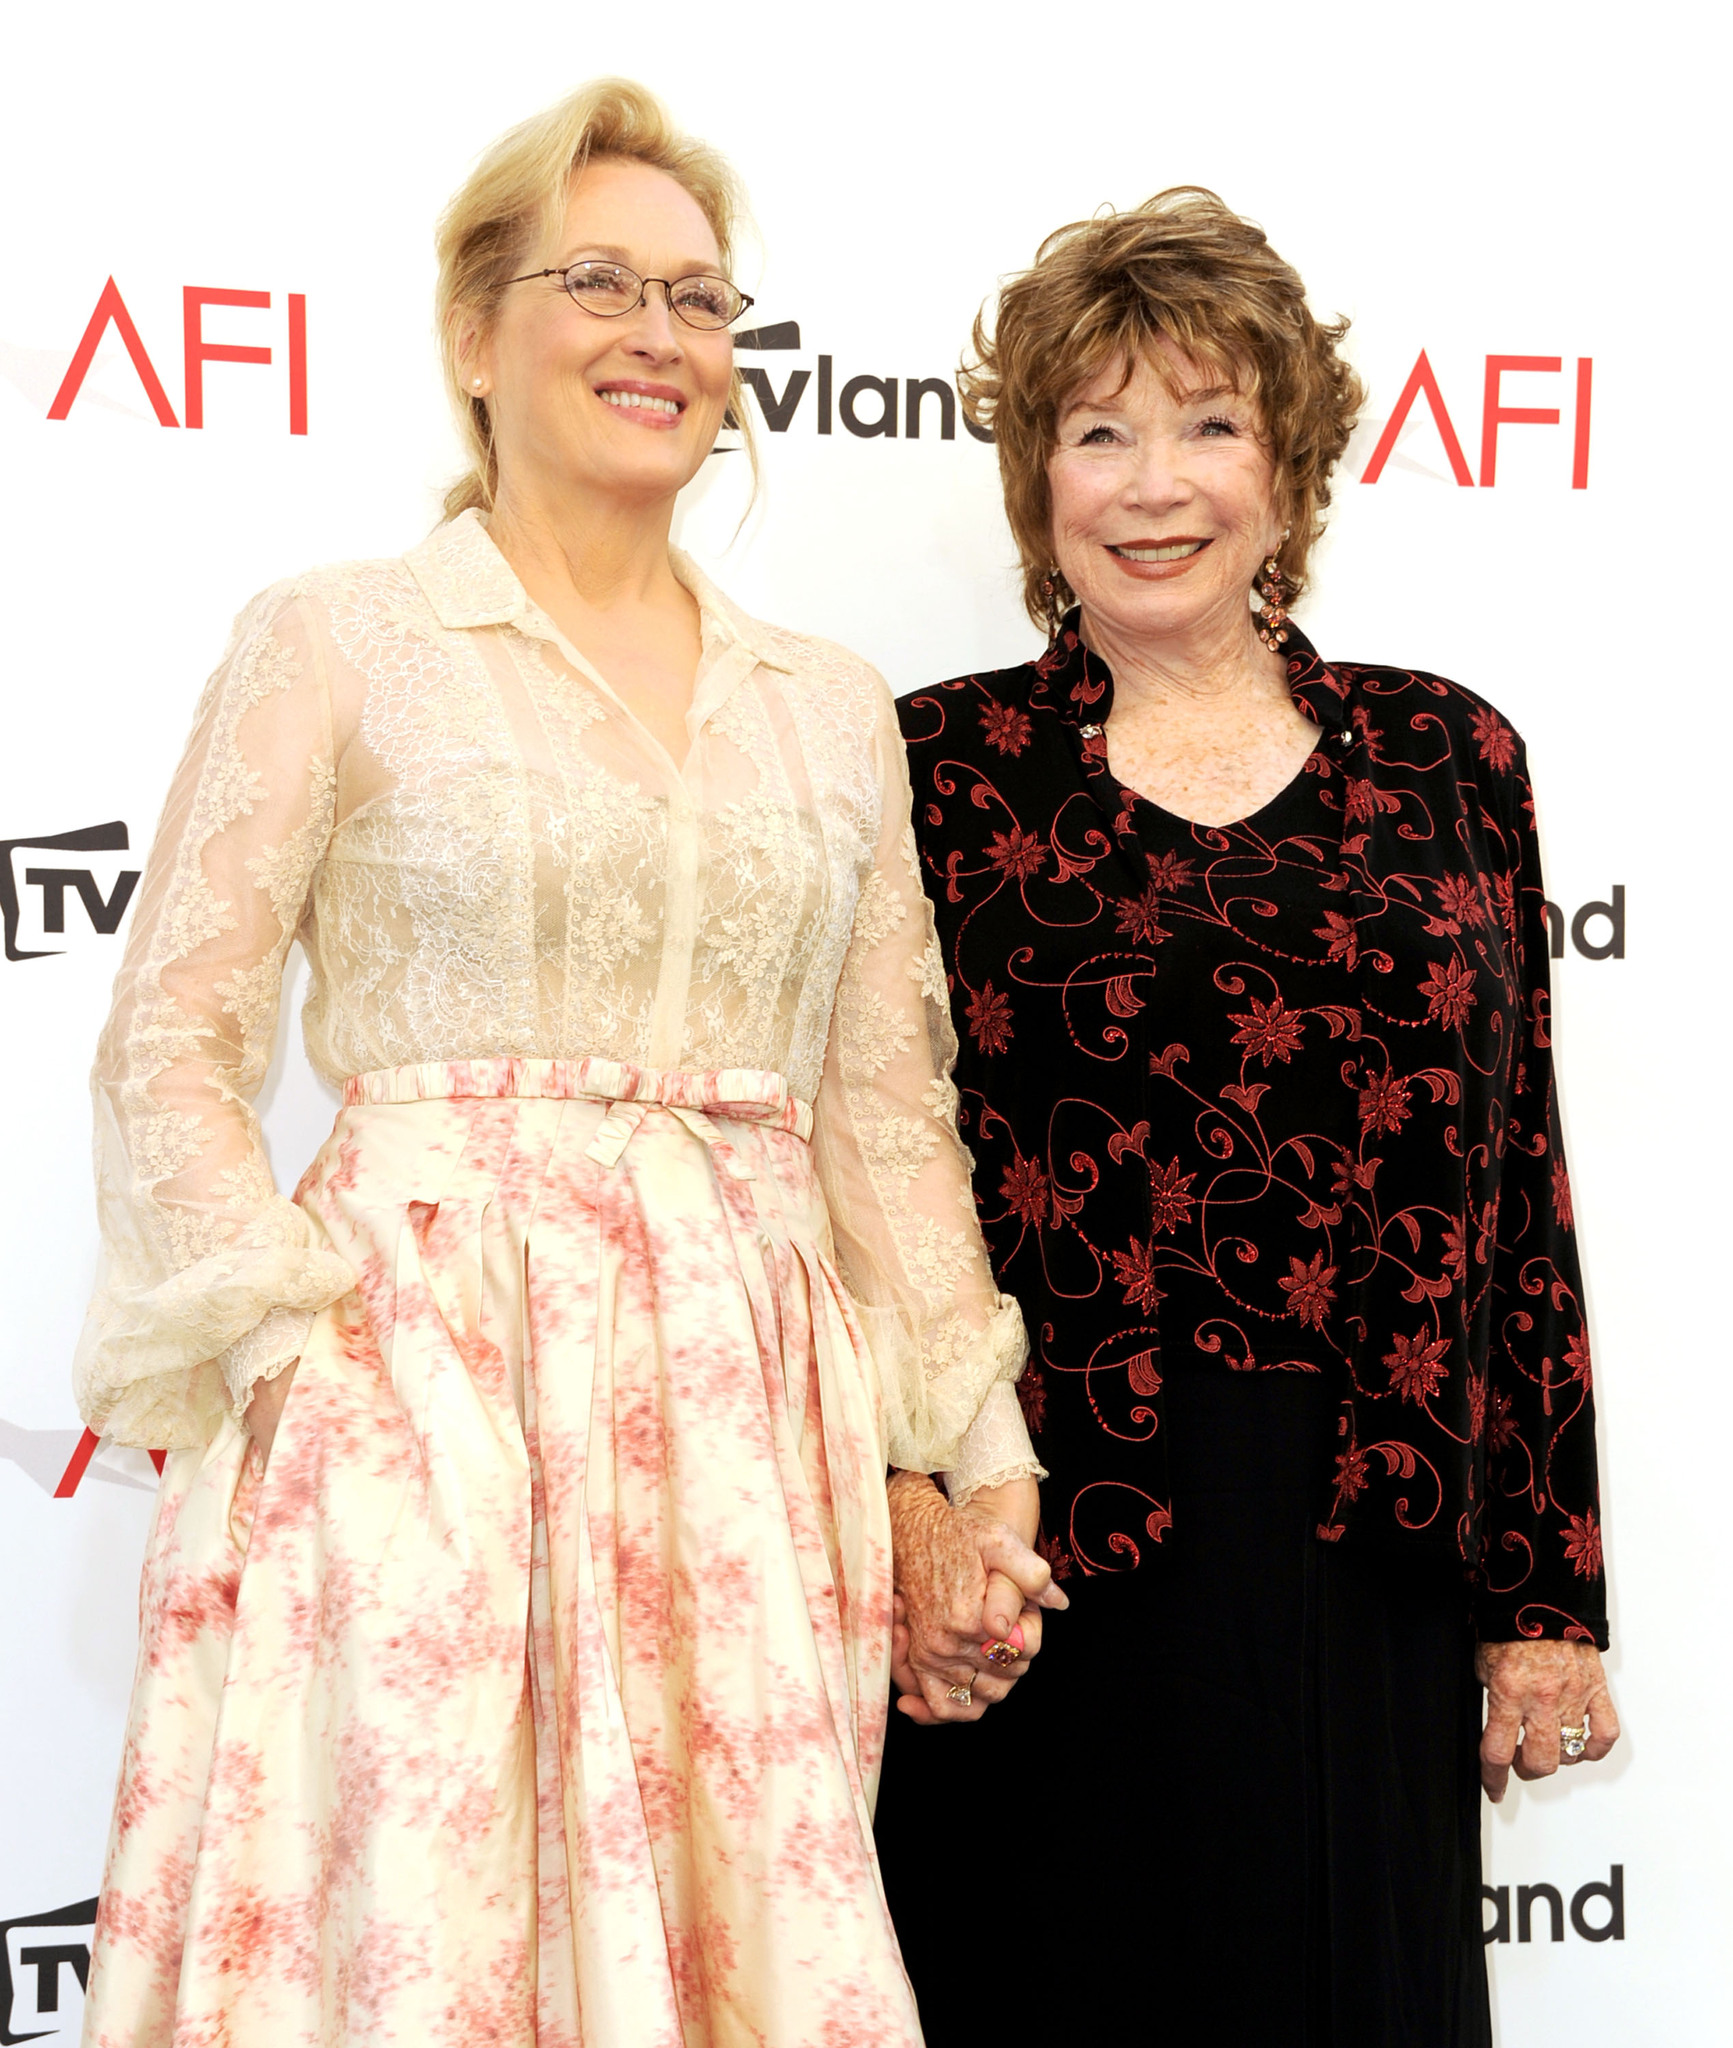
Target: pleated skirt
{"x": 1235, "y": 1798}
{"x": 534, "y": 1693}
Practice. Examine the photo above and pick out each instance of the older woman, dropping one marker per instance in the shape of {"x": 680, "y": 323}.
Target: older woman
{"x": 517, "y": 1619}
{"x": 1248, "y": 955}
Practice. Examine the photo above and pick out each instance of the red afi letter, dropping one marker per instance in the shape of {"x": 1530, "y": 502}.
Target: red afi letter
{"x": 111, "y": 307}
{"x": 1580, "y": 457}
{"x": 1420, "y": 379}
{"x": 194, "y": 299}
{"x": 297, "y": 363}
{"x": 1496, "y": 414}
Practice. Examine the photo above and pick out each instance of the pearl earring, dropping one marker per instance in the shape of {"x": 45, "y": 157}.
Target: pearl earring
{"x": 476, "y": 381}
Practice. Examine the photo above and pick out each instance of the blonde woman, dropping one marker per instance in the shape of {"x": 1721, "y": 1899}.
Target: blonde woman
{"x": 516, "y": 1623}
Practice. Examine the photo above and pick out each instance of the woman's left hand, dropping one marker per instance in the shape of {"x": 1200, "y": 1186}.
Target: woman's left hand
{"x": 1534, "y": 1691}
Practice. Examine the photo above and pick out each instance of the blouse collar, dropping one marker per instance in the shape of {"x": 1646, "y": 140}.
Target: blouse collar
{"x": 468, "y": 582}
{"x": 1075, "y": 683}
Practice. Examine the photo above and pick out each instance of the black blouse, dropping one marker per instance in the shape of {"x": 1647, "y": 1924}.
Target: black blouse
{"x": 1279, "y": 1095}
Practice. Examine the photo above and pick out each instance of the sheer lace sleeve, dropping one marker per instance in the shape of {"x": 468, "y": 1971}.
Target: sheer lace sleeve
{"x": 210, "y": 1277}
{"x": 894, "y": 1170}
{"x": 995, "y": 1448}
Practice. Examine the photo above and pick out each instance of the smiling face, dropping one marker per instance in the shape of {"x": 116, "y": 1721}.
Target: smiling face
{"x": 627, "y": 407}
{"x": 1163, "y": 500}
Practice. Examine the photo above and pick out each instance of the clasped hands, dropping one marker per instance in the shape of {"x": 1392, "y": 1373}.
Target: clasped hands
{"x": 965, "y": 1578}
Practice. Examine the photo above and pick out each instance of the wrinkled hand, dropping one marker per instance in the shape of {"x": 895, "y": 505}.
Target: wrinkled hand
{"x": 1532, "y": 1690}
{"x": 265, "y": 1411}
{"x": 964, "y": 1576}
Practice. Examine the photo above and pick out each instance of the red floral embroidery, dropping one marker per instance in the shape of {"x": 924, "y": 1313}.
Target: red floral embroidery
{"x": 1455, "y": 1249}
{"x": 989, "y": 1015}
{"x": 1059, "y": 1560}
{"x": 1005, "y": 727}
{"x": 1417, "y": 1366}
{"x": 1268, "y": 1031}
{"x": 1583, "y": 1545}
{"x": 1501, "y": 1423}
{"x": 1169, "y": 1204}
{"x": 1136, "y": 1274}
{"x": 1344, "y": 940}
{"x": 1352, "y": 1473}
{"x": 1310, "y": 1288}
{"x": 1449, "y": 993}
{"x": 1383, "y": 1104}
{"x": 1365, "y": 800}
{"x": 1169, "y": 871}
{"x": 1561, "y": 1196}
{"x": 1138, "y": 916}
{"x": 1495, "y": 740}
{"x": 1025, "y": 1189}
{"x": 1577, "y": 1359}
{"x": 1032, "y": 1398}
{"x": 1460, "y": 900}
{"x": 1019, "y": 853}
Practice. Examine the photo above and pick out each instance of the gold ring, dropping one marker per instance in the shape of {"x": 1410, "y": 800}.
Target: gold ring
{"x": 1573, "y": 1741}
{"x": 963, "y": 1695}
{"x": 1001, "y": 1653}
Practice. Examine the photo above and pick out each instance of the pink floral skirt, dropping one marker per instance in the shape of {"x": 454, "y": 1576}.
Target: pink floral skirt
{"x": 535, "y": 1692}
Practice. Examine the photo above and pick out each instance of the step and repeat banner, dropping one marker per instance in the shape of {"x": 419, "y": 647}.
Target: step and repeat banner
{"x": 217, "y": 367}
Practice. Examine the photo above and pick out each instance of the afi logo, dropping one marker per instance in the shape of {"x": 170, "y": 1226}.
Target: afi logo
{"x": 196, "y": 351}
{"x": 1549, "y": 1897}
{"x": 887, "y": 409}
{"x": 103, "y": 912}
{"x": 1494, "y": 414}
{"x": 44, "y": 1971}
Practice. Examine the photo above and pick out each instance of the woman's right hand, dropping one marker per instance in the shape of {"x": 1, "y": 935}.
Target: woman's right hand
{"x": 963, "y": 1577}
{"x": 265, "y": 1410}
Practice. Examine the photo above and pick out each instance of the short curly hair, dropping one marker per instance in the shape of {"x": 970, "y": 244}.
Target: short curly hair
{"x": 1185, "y": 266}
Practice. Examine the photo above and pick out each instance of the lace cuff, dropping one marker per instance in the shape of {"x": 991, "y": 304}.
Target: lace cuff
{"x": 148, "y": 1371}
{"x": 995, "y": 1448}
{"x": 262, "y": 1354}
{"x": 935, "y": 1381}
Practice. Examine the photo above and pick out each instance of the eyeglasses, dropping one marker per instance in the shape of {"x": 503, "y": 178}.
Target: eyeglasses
{"x": 609, "y": 290}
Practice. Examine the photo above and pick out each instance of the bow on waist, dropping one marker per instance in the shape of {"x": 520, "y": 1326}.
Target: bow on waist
{"x": 692, "y": 1097}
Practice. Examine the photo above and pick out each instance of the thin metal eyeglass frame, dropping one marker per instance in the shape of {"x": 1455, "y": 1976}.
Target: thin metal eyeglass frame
{"x": 644, "y": 284}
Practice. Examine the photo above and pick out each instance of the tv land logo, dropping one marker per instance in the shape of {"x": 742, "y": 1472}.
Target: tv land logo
{"x": 44, "y": 1972}
{"x": 869, "y": 407}
{"x": 1611, "y": 914}
{"x": 45, "y": 1957}
{"x": 1546, "y": 1903}
{"x": 102, "y": 899}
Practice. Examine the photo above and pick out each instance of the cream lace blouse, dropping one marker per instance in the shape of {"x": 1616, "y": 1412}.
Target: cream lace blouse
{"x": 482, "y": 852}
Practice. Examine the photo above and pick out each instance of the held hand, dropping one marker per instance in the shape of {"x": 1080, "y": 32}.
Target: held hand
{"x": 965, "y": 1577}
{"x": 1536, "y": 1693}
{"x": 265, "y": 1410}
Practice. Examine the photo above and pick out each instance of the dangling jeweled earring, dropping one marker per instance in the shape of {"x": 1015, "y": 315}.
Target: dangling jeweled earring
{"x": 1272, "y": 620}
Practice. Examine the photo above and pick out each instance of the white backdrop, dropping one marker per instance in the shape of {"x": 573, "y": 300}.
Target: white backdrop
{"x": 1540, "y": 182}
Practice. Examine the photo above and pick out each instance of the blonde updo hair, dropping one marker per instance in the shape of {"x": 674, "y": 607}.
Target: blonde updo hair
{"x": 1184, "y": 266}
{"x": 508, "y": 213}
